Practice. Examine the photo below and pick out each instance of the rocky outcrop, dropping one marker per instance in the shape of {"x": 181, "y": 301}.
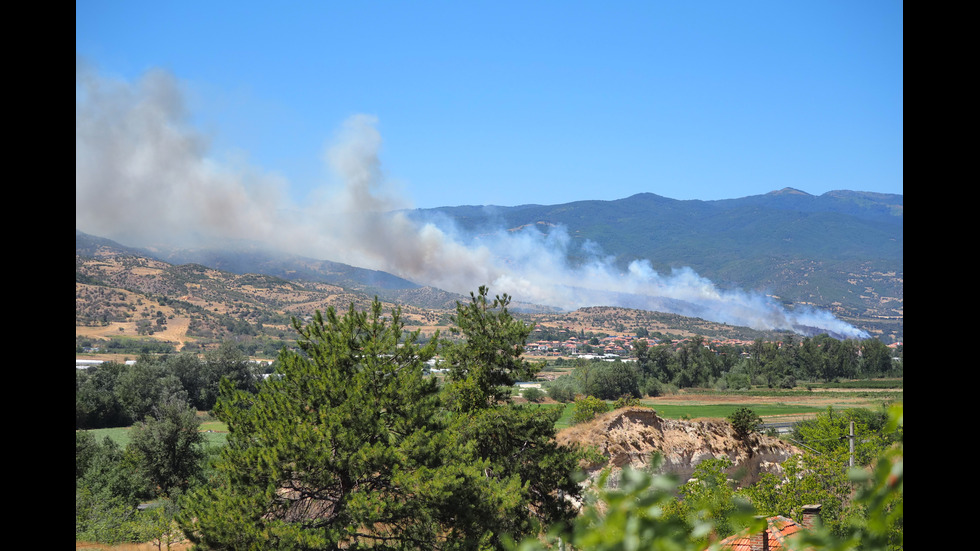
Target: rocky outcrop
{"x": 630, "y": 436}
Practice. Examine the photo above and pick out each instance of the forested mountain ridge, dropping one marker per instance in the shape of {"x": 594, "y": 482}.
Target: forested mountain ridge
{"x": 842, "y": 251}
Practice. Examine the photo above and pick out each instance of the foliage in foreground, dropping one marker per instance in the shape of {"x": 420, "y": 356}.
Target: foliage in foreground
{"x": 879, "y": 502}
{"x": 164, "y": 457}
{"x": 640, "y": 512}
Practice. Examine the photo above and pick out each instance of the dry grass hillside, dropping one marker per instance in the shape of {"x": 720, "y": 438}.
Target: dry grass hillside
{"x": 614, "y": 320}
{"x": 629, "y": 436}
{"x": 124, "y": 294}
{"x": 120, "y": 295}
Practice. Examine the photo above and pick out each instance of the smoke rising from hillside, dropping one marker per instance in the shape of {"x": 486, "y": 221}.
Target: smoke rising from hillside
{"x": 143, "y": 176}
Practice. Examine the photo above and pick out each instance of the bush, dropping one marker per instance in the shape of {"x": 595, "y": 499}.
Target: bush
{"x": 585, "y": 409}
{"x": 652, "y": 387}
{"x": 745, "y": 421}
{"x": 562, "y": 389}
{"x": 738, "y": 380}
{"x": 625, "y": 401}
{"x": 533, "y": 394}
{"x": 610, "y": 380}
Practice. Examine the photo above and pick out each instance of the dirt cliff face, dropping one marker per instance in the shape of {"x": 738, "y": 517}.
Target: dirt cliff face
{"x": 629, "y": 437}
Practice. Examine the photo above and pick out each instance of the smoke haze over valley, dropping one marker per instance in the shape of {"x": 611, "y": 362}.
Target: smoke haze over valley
{"x": 145, "y": 176}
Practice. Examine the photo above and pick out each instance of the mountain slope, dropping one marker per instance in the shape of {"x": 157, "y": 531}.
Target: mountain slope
{"x": 121, "y": 293}
{"x": 841, "y": 251}
{"x": 245, "y": 259}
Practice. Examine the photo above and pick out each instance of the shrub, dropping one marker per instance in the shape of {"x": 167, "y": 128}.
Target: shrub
{"x": 652, "y": 387}
{"x": 609, "y": 380}
{"x": 585, "y": 409}
{"x": 744, "y": 421}
{"x": 738, "y": 380}
{"x": 533, "y": 394}
{"x": 625, "y": 401}
{"x": 562, "y": 389}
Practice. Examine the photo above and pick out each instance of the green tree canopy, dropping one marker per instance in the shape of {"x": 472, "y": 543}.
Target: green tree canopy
{"x": 169, "y": 446}
{"x": 488, "y": 357}
{"x": 828, "y": 433}
{"x": 587, "y": 407}
{"x": 744, "y": 421}
{"x": 108, "y": 486}
{"x": 348, "y": 445}
{"x": 515, "y": 443}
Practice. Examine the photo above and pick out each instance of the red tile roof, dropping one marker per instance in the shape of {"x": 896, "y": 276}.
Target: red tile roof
{"x": 779, "y": 528}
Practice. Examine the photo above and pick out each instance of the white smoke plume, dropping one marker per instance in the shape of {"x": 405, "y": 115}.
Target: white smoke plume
{"x": 143, "y": 176}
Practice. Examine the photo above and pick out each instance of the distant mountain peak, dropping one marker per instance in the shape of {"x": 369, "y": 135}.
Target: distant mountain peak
{"x": 789, "y": 191}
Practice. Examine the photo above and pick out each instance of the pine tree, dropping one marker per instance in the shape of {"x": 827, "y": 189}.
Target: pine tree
{"x": 348, "y": 445}
{"x": 517, "y": 443}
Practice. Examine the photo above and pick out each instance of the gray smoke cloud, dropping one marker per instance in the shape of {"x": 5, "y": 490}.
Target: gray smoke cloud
{"x": 144, "y": 176}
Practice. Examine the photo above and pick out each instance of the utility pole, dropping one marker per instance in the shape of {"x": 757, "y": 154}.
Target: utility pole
{"x": 851, "y": 439}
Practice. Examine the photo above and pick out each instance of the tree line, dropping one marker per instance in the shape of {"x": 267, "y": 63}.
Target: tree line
{"x": 118, "y": 395}
{"x": 696, "y": 363}
{"x": 861, "y": 508}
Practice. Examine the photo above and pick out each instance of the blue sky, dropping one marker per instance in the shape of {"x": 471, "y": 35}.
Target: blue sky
{"x": 509, "y": 103}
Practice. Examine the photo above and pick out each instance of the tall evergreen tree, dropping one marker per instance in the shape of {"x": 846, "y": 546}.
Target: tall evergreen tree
{"x": 348, "y": 445}
{"x": 487, "y": 359}
{"x": 516, "y": 443}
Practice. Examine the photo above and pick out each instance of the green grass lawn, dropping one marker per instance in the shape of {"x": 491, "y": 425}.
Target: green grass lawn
{"x": 693, "y": 411}
{"x": 216, "y": 433}
{"x": 121, "y": 435}
{"x": 722, "y": 411}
